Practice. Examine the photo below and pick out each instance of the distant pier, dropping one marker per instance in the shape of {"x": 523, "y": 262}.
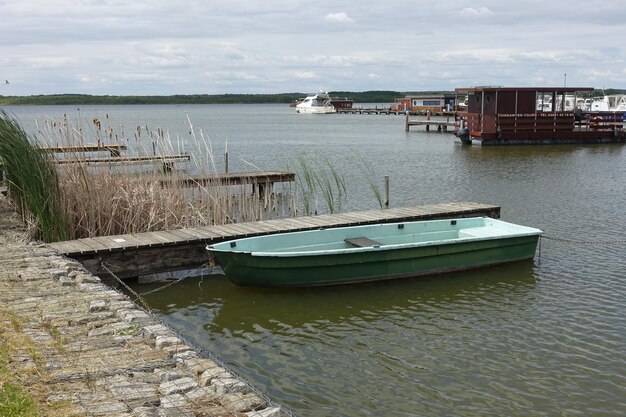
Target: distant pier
{"x": 389, "y": 111}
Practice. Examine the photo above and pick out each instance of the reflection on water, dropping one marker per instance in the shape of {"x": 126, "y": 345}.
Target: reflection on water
{"x": 527, "y": 339}
{"x": 242, "y": 308}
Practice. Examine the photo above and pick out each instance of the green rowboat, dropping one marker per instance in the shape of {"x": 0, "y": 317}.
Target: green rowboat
{"x": 373, "y": 252}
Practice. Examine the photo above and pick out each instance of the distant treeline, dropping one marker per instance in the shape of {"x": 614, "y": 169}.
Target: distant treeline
{"x": 358, "y": 97}
{"x": 83, "y": 99}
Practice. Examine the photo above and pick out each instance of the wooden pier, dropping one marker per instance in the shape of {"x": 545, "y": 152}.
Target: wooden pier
{"x": 441, "y": 125}
{"x": 370, "y": 110}
{"x": 113, "y": 149}
{"x": 147, "y": 253}
{"x": 389, "y": 110}
{"x": 262, "y": 181}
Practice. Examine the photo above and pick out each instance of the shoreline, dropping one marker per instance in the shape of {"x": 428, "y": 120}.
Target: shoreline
{"x": 89, "y": 350}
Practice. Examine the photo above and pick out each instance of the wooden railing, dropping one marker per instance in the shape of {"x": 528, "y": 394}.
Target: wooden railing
{"x": 541, "y": 125}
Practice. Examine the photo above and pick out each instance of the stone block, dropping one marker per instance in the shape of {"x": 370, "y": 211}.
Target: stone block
{"x": 178, "y": 386}
{"x": 214, "y": 373}
{"x": 87, "y": 279}
{"x": 66, "y": 281}
{"x": 266, "y": 412}
{"x": 228, "y": 385}
{"x": 239, "y": 403}
{"x": 134, "y": 315}
{"x": 165, "y": 341}
{"x": 136, "y": 394}
{"x": 97, "y": 305}
{"x": 155, "y": 330}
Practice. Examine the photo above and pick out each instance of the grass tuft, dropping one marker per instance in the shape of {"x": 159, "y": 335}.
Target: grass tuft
{"x": 32, "y": 181}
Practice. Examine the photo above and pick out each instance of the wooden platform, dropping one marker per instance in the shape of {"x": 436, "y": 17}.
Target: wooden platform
{"x": 388, "y": 110}
{"x": 124, "y": 160}
{"x": 152, "y": 252}
{"x": 440, "y": 125}
{"x": 113, "y": 149}
{"x": 234, "y": 178}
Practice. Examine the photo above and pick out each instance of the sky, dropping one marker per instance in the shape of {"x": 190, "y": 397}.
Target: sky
{"x": 166, "y": 47}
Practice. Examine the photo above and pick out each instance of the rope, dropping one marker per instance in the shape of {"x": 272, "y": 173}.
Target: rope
{"x": 189, "y": 274}
{"x": 585, "y": 242}
{"x": 138, "y": 297}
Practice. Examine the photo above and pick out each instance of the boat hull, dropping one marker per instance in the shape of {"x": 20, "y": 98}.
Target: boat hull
{"x": 248, "y": 268}
{"x": 316, "y": 110}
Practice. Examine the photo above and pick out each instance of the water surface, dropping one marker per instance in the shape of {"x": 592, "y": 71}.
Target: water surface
{"x": 541, "y": 338}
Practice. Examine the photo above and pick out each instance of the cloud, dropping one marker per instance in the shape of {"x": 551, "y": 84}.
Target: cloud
{"x": 305, "y": 75}
{"x": 473, "y": 13}
{"x": 340, "y": 17}
{"x": 163, "y": 47}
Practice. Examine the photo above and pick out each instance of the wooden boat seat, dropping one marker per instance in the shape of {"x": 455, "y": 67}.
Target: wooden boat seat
{"x": 362, "y": 242}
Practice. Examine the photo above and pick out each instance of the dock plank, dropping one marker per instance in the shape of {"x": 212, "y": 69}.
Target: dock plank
{"x": 94, "y": 244}
{"x": 203, "y": 233}
{"x": 183, "y": 235}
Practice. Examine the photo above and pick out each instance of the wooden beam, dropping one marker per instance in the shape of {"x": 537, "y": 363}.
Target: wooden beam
{"x": 114, "y": 149}
{"x": 165, "y": 159}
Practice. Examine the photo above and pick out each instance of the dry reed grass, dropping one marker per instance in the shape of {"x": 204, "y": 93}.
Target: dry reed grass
{"x": 118, "y": 198}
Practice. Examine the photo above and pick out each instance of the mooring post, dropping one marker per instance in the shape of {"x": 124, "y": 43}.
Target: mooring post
{"x": 386, "y": 191}
{"x": 226, "y": 162}
{"x": 406, "y": 123}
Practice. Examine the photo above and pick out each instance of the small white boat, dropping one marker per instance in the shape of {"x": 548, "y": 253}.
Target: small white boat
{"x": 319, "y": 103}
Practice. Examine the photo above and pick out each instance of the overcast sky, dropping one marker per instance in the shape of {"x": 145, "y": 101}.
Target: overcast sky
{"x": 164, "y": 47}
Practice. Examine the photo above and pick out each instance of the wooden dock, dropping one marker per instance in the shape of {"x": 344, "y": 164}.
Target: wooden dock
{"x": 261, "y": 181}
{"x": 389, "y": 110}
{"x": 441, "y": 125}
{"x": 147, "y": 253}
{"x": 113, "y": 149}
{"x": 370, "y": 110}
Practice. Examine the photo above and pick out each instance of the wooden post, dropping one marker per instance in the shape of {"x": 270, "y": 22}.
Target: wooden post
{"x": 406, "y": 122}
{"x": 226, "y": 162}
{"x": 386, "y": 191}
{"x": 427, "y": 120}
{"x": 168, "y": 167}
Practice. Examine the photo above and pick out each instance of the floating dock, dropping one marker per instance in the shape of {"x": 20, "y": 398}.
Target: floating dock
{"x": 498, "y": 116}
{"x": 148, "y": 253}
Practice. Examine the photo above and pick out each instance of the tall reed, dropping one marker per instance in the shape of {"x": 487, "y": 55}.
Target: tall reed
{"x": 318, "y": 177}
{"x": 370, "y": 178}
{"x": 32, "y": 182}
{"x": 119, "y": 199}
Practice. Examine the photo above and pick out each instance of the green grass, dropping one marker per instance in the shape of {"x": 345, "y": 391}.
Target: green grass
{"x": 15, "y": 402}
{"x": 32, "y": 181}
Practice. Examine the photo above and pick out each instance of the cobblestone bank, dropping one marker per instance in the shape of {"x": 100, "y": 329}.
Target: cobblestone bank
{"x": 98, "y": 354}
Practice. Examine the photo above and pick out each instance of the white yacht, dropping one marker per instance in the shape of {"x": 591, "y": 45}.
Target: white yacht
{"x": 616, "y": 102}
{"x": 317, "y": 103}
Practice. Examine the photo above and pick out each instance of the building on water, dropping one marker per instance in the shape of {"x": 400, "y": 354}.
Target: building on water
{"x": 530, "y": 115}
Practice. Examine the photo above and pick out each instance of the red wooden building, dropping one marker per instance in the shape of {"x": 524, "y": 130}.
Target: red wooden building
{"x": 547, "y": 115}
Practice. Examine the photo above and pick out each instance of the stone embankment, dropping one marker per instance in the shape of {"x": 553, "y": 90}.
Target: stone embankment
{"x": 86, "y": 350}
